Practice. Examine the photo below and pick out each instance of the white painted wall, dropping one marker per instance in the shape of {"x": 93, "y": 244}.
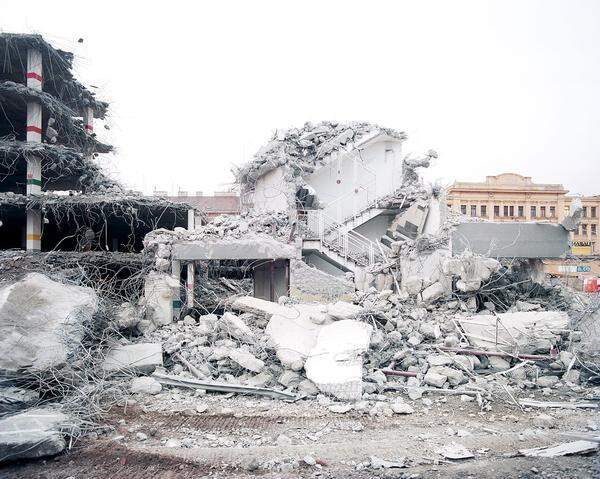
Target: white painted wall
{"x": 345, "y": 186}
{"x": 272, "y": 192}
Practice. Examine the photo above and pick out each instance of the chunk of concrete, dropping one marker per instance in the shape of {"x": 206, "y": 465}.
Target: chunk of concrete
{"x": 335, "y": 363}
{"x": 133, "y": 358}
{"x": 433, "y": 293}
{"x": 246, "y": 360}
{"x": 32, "y": 434}
{"x": 434, "y": 379}
{"x": 42, "y": 322}
{"x": 523, "y": 331}
{"x": 145, "y": 385}
{"x": 249, "y": 304}
{"x": 413, "y": 285}
{"x": 159, "y": 290}
{"x": 343, "y": 310}
{"x": 235, "y": 327}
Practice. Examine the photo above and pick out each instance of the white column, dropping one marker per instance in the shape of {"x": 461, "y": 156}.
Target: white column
{"x": 191, "y": 271}
{"x": 176, "y": 274}
{"x": 191, "y": 219}
{"x": 34, "y": 164}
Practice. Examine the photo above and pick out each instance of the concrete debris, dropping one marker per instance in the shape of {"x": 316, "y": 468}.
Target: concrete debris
{"x": 455, "y": 451}
{"x": 141, "y": 358}
{"x": 42, "y": 322}
{"x": 564, "y": 449}
{"x": 35, "y": 433}
{"x": 335, "y": 363}
{"x": 247, "y": 360}
{"x": 378, "y": 463}
{"x": 145, "y": 385}
{"x": 169, "y": 380}
{"x": 528, "y": 332}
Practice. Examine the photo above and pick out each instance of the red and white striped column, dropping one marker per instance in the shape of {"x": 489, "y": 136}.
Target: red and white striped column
{"x": 34, "y": 164}
{"x": 88, "y": 119}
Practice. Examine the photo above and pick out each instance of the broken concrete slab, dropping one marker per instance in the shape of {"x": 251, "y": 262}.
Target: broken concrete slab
{"x": 34, "y": 433}
{"x": 133, "y": 358}
{"x": 145, "y": 385}
{"x": 235, "y": 327}
{"x": 335, "y": 363}
{"x": 525, "y": 332}
{"x": 247, "y": 360}
{"x": 344, "y": 310}
{"x": 42, "y": 322}
{"x": 159, "y": 291}
{"x": 254, "y": 247}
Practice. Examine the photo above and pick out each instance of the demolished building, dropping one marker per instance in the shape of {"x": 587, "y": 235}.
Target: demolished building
{"x": 53, "y": 194}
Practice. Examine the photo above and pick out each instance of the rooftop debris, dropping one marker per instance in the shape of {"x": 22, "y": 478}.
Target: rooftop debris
{"x": 305, "y": 149}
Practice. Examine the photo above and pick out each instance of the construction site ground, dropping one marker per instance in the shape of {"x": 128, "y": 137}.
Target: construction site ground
{"x": 240, "y": 441}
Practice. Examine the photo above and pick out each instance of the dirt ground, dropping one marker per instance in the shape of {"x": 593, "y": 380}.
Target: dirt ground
{"x": 241, "y": 441}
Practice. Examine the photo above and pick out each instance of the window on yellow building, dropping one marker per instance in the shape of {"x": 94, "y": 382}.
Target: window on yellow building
{"x": 543, "y": 211}
{"x": 593, "y": 230}
{"x": 520, "y": 210}
{"x": 483, "y": 210}
{"x": 593, "y": 211}
{"x": 552, "y": 211}
{"x": 473, "y": 210}
{"x": 496, "y": 211}
{"x": 584, "y": 230}
{"x": 463, "y": 209}
{"x": 506, "y": 211}
{"x": 533, "y": 211}
{"x": 585, "y": 211}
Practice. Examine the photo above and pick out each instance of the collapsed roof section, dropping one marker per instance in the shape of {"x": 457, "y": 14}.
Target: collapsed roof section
{"x": 58, "y": 78}
{"x": 304, "y": 149}
{"x": 119, "y": 220}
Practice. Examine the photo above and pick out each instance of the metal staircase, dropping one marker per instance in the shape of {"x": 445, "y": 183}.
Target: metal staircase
{"x": 336, "y": 244}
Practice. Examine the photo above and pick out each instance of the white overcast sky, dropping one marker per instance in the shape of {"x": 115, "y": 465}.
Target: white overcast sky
{"x": 196, "y": 87}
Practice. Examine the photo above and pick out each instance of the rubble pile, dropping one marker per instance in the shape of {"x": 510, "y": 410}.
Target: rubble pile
{"x": 304, "y": 149}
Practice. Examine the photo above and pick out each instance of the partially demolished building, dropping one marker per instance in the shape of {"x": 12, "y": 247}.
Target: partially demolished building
{"x": 53, "y": 194}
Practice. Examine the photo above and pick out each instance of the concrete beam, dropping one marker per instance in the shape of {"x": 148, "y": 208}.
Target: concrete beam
{"x": 263, "y": 248}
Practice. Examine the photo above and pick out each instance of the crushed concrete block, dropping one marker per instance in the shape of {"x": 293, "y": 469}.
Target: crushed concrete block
{"x": 189, "y": 321}
{"x": 42, "y": 322}
{"x": 289, "y": 379}
{"x": 259, "y": 380}
{"x": 307, "y": 387}
{"x": 571, "y": 222}
{"x": 430, "y": 330}
{"x": 159, "y": 290}
{"x": 145, "y": 385}
{"x": 547, "y": 381}
{"x": 455, "y": 377}
{"x": 127, "y": 316}
{"x": 249, "y": 304}
{"x": 400, "y": 407}
{"x": 246, "y": 360}
{"x": 572, "y": 376}
{"x": 498, "y": 363}
{"x": 439, "y": 360}
{"x": 434, "y": 379}
{"x": 139, "y": 358}
{"x": 413, "y": 285}
{"x": 32, "y": 434}
{"x": 335, "y": 363}
{"x": 235, "y": 327}
{"x": 433, "y": 293}
{"x": 294, "y": 335}
{"x": 343, "y": 310}
{"x": 545, "y": 421}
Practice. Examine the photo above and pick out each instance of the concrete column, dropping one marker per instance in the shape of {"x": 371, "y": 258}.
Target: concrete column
{"x": 191, "y": 271}
{"x": 88, "y": 119}
{"x": 176, "y": 274}
{"x": 191, "y": 219}
{"x": 34, "y": 164}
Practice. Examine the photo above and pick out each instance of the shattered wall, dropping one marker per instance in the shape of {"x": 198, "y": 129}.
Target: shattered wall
{"x": 309, "y": 284}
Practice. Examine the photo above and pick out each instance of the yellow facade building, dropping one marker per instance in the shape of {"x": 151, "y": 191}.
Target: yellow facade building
{"x": 513, "y": 197}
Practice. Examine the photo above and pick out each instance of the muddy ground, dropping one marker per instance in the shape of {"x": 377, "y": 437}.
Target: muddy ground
{"x": 237, "y": 437}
